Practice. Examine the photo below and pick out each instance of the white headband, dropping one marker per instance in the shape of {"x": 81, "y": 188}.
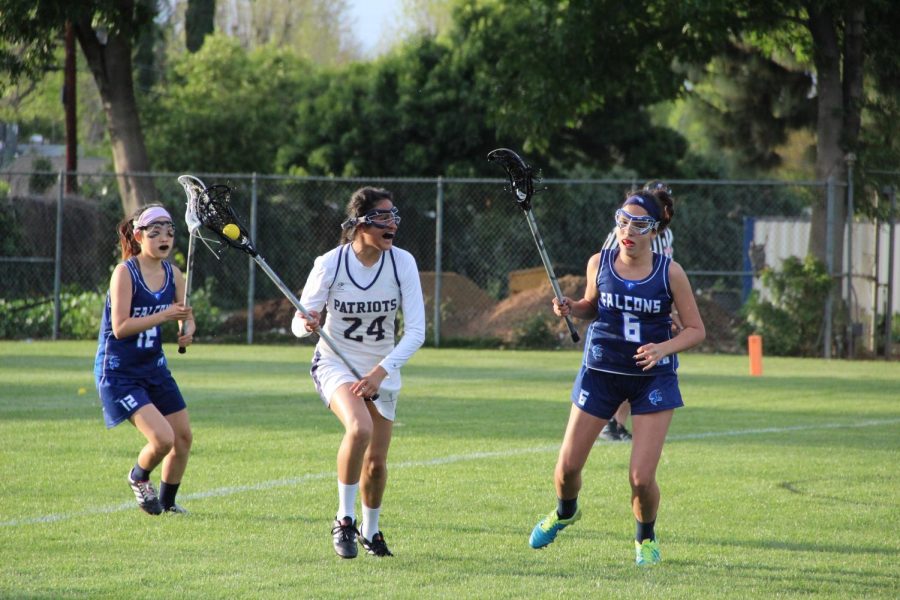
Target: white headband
{"x": 151, "y": 214}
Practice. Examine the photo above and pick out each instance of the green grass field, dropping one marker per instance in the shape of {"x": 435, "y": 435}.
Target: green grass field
{"x": 785, "y": 485}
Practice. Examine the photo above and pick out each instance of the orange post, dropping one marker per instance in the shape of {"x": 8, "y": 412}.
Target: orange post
{"x": 754, "y": 347}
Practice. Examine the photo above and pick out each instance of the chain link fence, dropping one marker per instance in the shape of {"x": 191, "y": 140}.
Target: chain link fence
{"x": 481, "y": 273}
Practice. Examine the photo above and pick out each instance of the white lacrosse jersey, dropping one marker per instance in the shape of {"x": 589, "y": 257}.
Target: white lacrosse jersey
{"x": 361, "y": 307}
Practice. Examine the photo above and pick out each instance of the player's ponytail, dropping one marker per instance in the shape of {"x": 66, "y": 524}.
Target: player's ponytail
{"x": 129, "y": 245}
{"x": 664, "y": 198}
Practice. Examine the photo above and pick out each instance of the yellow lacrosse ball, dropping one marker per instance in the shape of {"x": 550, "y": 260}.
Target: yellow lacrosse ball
{"x": 231, "y": 231}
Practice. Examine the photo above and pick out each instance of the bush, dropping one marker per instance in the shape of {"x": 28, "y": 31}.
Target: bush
{"x": 535, "y": 334}
{"x": 791, "y": 323}
{"x": 43, "y": 177}
{"x": 80, "y": 314}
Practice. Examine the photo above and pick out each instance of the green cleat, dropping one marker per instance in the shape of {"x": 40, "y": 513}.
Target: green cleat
{"x": 545, "y": 531}
{"x": 646, "y": 553}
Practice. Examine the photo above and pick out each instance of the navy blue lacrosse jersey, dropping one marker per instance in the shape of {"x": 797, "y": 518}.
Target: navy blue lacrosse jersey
{"x": 629, "y": 315}
{"x": 138, "y": 356}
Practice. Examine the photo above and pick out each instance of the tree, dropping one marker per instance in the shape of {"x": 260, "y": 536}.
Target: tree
{"x": 838, "y": 41}
{"x": 223, "y": 108}
{"x": 748, "y": 104}
{"x": 413, "y": 112}
{"x": 555, "y": 63}
{"x": 106, "y": 31}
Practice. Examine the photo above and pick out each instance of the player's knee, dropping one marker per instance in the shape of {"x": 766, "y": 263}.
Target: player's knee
{"x": 183, "y": 440}
{"x": 641, "y": 482}
{"x": 360, "y": 432}
{"x": 163, "y": 441}
{"x": 376, "y": 468}
{"x": 566, "y": 473}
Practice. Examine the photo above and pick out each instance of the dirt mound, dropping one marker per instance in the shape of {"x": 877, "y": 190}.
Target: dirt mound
{"x": 515, "y": 314}
{"x": 512, "y": 315}
{"x": 269, "y": 316}
{"x": 464, "y": 305}
{"x": 469, "y": 312}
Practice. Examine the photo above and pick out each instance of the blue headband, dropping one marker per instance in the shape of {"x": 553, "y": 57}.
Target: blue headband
{"x": 649, "y": 205}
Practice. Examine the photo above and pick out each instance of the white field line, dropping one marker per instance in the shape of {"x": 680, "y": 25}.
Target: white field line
{"x": 456, "y": 458}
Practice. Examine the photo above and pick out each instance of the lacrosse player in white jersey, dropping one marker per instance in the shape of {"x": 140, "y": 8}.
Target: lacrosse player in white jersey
{"x": 362, "y": 283}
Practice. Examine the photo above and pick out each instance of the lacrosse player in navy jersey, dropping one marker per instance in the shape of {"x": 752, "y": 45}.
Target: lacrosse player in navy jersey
{"x": 615, "y": 430}
{"x": 362, "y": 283}
{"x": 629, "y": 355}
{"x": 130, "y": 368}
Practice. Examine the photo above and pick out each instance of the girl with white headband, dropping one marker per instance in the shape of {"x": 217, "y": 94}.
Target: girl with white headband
{"x": 130, "y": 369}
{"x": 629, "y": 355}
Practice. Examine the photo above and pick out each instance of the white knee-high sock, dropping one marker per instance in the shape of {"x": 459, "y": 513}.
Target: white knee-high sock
{"x": 347, "y": 500}
{"x": 370, "y": 521}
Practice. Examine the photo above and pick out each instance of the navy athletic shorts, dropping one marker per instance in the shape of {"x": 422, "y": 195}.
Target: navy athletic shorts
{"x": 121, "y": 398}
{"x": 600, "y": 393}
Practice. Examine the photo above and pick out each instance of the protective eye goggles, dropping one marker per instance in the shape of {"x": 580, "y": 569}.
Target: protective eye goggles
{"x": 379, "y": 217}
{"x": 158, "y": 227}
{"x": 638, "y": 225}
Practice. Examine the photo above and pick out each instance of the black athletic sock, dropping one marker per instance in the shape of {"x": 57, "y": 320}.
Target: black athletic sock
{"x": 138, "y": 473}
{"x": 167, "y": 493}
{"x": 644, "y": 531}
{"x": 566, "y": 509}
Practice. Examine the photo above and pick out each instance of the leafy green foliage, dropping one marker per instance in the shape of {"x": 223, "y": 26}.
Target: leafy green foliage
{"x": 30, "y": 31}
{"x": 412, "y": 112}
{"x": 224, "y": 109}
{"x": 43, "y": 177}
{"x": 79, "y": 316}
{"x": 791, "y": 322}
{"x": 748, "y": 103}
{"x": 534, "y": 334}
{"x": 80, "y": 313}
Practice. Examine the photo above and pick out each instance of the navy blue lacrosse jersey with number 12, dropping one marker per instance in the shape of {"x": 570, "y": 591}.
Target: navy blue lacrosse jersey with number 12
{"x": 141, "y": 355}
{"x": 629, "y": 315}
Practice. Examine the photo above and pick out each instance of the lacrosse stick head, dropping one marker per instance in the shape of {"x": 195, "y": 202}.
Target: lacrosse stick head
{"x": 215, "y": 213}
{"x": 520, "y": 174}
{"x": 193, "y": 188}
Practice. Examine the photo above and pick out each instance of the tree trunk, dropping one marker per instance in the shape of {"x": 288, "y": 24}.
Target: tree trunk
{"x": 199, "y": 21}
{"x": 109, "y": 58}
{"x": 829, "y": 135}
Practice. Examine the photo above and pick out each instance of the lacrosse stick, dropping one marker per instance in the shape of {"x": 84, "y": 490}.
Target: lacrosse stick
{"x": 521, "y": 184}
{"x": 214, "y": 211}
{"x": 193, "y": 187}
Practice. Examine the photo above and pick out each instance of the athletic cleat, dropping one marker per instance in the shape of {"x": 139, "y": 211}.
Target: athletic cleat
{"x": 646, "y": 553}
{"x": 175, "y": 510}
{"x": 545, "y": 532}
{"x": 146, "y": 496}
{"x": 377, "y": 547}
{"x": 624, "y": 435}
{"x": 610, "y": 431}
{"x": 344, "y": 533}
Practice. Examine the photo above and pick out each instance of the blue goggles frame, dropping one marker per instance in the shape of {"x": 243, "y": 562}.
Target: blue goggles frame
{"x": 640, "y": 225}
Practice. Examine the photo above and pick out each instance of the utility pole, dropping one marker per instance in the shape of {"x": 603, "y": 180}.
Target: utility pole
{"x": 69, "y": 103}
